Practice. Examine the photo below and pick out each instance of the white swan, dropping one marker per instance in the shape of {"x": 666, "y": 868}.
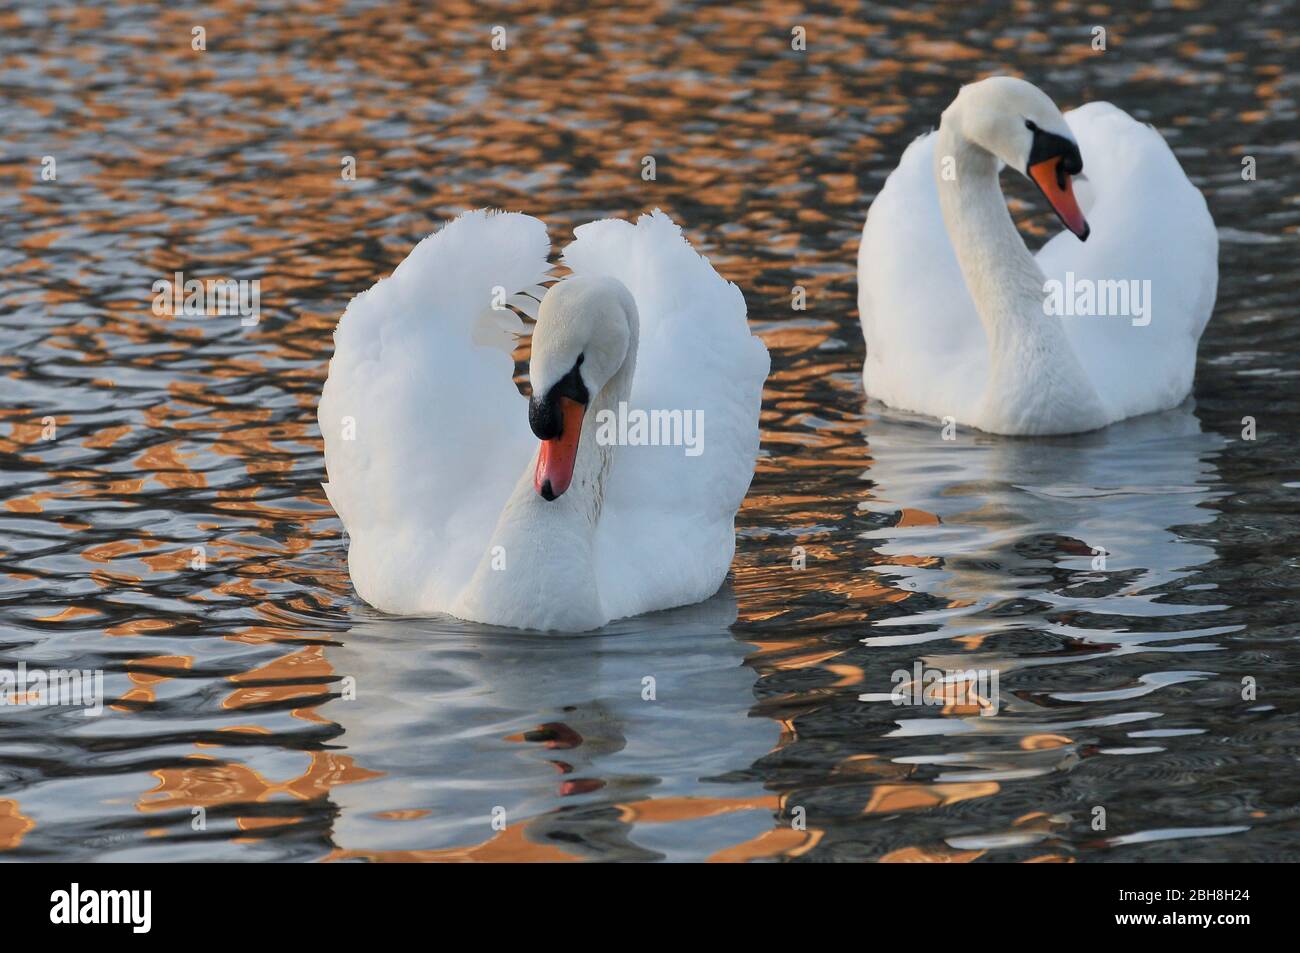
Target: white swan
{"x": 452, "y": 505}
{"x": 955, "y": 310}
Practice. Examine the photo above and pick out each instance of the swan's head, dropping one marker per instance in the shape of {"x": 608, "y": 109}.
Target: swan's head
{"x": 1017, "y": 122}
{"x": 580, "y": 342}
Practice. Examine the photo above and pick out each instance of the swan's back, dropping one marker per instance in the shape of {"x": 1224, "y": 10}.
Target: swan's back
{"x": 926, "y": 347}
{"x": 425, "y": 432}
{"x": 667, "y": 531}
{"x": 1148, "y": 223}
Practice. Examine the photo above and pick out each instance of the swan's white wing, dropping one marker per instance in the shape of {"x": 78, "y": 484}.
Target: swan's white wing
{"x": 1148, "y": 223}
{"x": 667, "y": 531}
{"x": 926, "y": 348}
{"x": 439, "y": 430}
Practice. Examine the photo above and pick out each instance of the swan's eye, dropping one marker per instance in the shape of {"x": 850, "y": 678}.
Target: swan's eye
{"x": 1029, "y": 124}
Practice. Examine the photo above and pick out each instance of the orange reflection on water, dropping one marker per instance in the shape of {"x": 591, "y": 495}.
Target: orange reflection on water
{"x": 14, "y": 825}
{"x": 514, "y": 843}
{"x": 888, "y": 798}
{"x": 508, "y": 846}
{"x": 210, "y": 783}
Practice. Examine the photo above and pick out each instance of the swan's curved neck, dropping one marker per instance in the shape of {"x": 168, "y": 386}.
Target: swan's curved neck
{"x": 1031, "y": 361}
{"x": 540, "y": 547}
{"x": 1003, "y": 278}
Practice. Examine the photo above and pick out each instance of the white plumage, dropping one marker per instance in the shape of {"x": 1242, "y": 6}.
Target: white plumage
{"x": 928, "y": 334}
{"x": 429, "y": 487}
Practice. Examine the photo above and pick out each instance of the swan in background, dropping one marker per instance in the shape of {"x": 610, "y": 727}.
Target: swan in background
{"x": 960, "y": 319}
{"x": 460, "y": 496}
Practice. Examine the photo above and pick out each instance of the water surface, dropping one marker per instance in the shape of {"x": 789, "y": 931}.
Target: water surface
{"x": 308, "y": 727}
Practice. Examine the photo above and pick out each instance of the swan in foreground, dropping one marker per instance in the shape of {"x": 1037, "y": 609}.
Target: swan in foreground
{"x": 611, "y": 492}
{"x": 961, "y": 321}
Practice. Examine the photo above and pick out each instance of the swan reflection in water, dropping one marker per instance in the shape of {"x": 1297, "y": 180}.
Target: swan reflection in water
{"x": 995, "y": 536}
{"x": 559, "y": 732}
{"x": 1074, "y": 521}
{"x": 1051, "y": 561}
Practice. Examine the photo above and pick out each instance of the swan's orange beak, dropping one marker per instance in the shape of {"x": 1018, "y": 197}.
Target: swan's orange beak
{"x": 1058, "y": 189}
{"x": 556, "y": 458}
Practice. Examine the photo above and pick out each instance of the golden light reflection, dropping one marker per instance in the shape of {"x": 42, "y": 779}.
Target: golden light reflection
{"x": 14, "y": 825}
{"x": 209, "y": 783}
{"x": 514, "y": 844}
{"x": 888, "y": 798}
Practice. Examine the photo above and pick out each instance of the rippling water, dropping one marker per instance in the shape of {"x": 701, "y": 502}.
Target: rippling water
{"x": 173, "y": 532}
